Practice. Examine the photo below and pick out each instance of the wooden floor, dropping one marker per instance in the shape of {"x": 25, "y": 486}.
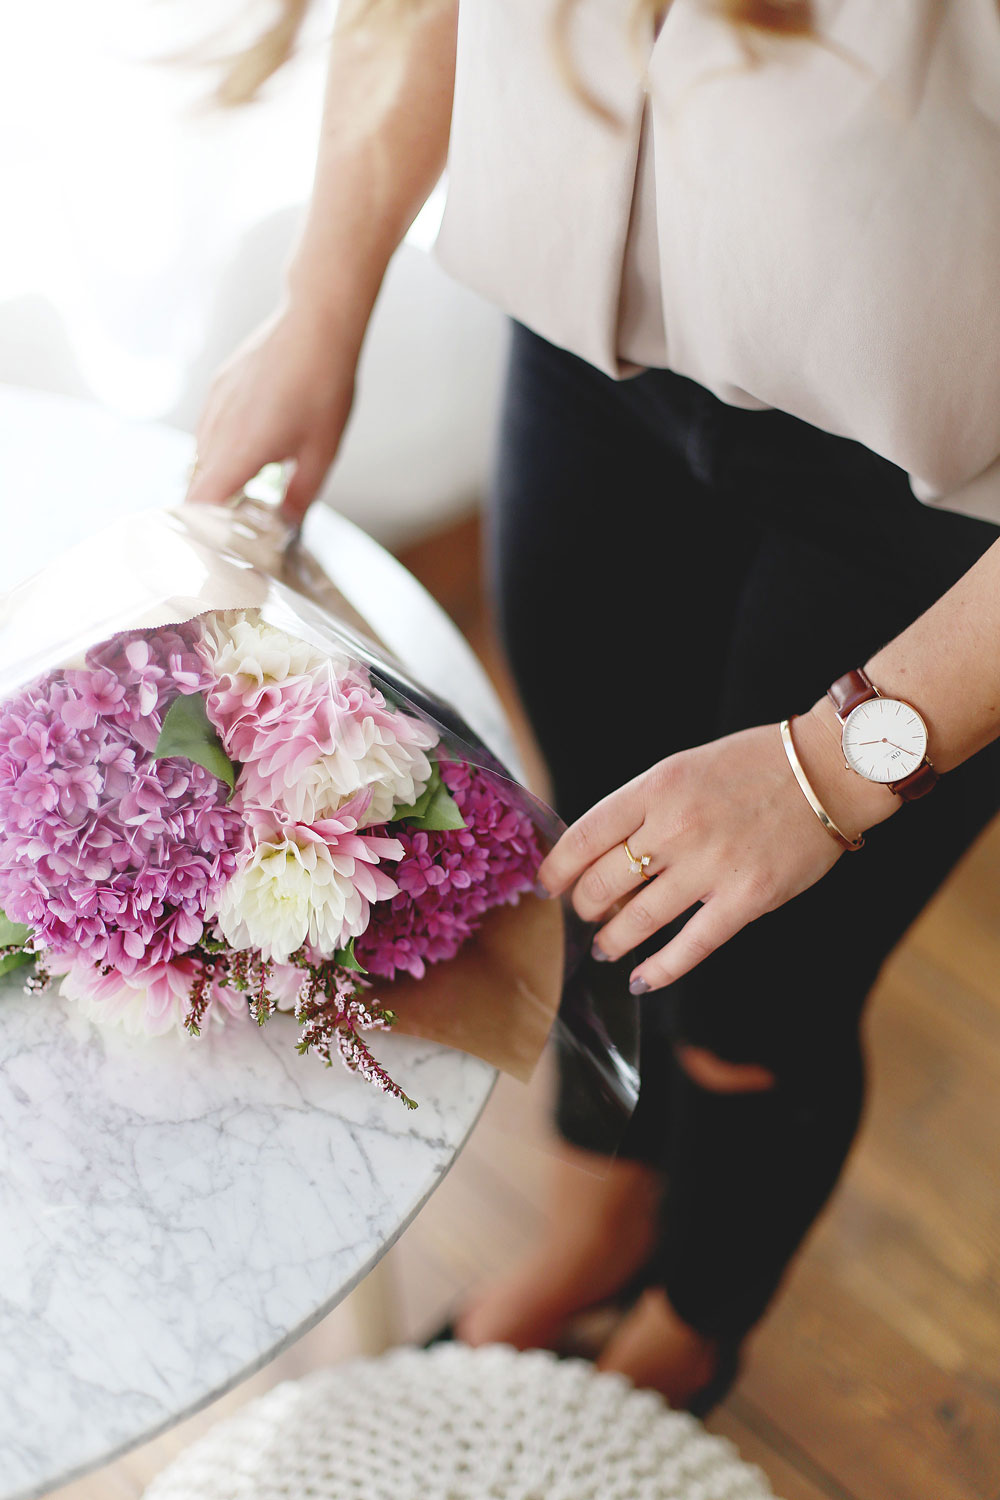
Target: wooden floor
{"x": 877, "y": 1374}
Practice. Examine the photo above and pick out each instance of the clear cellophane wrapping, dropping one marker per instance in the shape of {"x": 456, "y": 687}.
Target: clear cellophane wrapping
{"x": 499, "y": 998}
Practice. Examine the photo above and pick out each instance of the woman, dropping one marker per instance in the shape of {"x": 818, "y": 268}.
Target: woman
{"x": 750, "y": 252}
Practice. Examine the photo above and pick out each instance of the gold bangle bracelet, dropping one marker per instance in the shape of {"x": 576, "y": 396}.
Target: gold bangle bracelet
{"x": 810, "y": 795}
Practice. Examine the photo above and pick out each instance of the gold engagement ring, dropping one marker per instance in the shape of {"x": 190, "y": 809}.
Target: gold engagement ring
{"x": 637, "y": 866}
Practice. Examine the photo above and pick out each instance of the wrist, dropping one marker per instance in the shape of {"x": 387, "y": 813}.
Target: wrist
{"x": 329, "y": 302}
{"x": 854, "y": 803}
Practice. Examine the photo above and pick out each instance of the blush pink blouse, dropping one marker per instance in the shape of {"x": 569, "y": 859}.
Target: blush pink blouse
{"x": 815, "y": 227}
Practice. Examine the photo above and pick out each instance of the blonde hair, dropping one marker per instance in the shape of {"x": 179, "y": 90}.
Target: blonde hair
{"x": 245, "y": 73}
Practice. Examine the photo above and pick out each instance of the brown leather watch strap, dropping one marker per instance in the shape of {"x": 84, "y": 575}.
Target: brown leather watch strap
{"x": 917, "y": 784}
{"x": 848, "y": 691}
{"x": 857, "y": 687}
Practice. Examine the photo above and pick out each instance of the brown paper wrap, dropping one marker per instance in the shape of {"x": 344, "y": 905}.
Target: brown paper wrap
{"x": 498, "y": 997}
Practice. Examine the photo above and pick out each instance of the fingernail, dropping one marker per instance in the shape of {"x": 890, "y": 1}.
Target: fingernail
{"x": 598, "y": 953}
{"x": 541, "y": 891}
{"x": 638, "y": 987}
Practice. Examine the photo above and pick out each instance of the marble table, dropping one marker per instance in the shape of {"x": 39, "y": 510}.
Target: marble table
{"x": 174, "y": 1213}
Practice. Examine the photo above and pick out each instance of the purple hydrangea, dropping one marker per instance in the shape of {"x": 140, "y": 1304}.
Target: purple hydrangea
{"x": 449, "y": 880}
{"x": 106, "y": 853}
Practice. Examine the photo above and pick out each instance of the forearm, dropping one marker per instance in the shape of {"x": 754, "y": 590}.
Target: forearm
{"x": 377, "y": 162}
{"x": 947, "y": 664}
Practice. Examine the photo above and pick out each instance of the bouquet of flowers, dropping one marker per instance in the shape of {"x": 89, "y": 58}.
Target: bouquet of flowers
{"x": 232, "y": 804}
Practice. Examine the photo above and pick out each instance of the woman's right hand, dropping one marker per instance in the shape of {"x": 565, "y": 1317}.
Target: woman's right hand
{"x": 285, "y": 394}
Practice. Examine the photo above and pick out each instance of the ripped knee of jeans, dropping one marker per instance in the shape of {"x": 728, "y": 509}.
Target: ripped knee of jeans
{"x": 721, "y": 1077}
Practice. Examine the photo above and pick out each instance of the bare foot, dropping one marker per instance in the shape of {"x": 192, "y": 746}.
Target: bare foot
{"x": 659, "y": 1352}
{"x": 602, "y": 1227}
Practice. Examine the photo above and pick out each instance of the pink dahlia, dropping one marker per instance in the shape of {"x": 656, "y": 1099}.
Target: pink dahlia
{"x": 310, "y": 731}
{"x": 148, "y": 1002}
{"x": 109, "y": 855}
{"x": 449, "y": 880}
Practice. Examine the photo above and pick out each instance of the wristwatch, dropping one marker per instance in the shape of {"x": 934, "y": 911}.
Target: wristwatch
{"x": 884, "y": 739}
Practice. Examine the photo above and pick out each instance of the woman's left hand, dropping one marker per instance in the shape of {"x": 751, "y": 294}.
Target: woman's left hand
{"x": 724, "y": 824}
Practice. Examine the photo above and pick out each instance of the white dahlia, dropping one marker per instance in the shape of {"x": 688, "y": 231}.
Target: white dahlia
{"x": 298, "y": 884}
{"x": 249, "y": 657}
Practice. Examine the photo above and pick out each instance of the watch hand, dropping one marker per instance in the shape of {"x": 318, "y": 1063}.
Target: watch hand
{"x": 884, "y": 741}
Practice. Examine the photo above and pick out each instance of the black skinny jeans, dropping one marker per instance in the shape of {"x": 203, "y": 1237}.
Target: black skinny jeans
{"x": 670, "y": 569}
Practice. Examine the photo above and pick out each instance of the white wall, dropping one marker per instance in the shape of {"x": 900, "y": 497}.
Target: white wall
{"x": 144, "y": 236}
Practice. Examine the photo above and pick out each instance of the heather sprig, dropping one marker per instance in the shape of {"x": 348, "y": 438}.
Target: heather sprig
{"x": 333, "y": 1010}
{"x": 331, "y": 1006}
{"x": 221, "y": 967}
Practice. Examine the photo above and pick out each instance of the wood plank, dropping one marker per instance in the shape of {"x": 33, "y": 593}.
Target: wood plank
{"x": 893, "y": 1280}
{"x": 880, "y": 1359}
{"x": 866, "y": 1405}
{"x": 790, "y": 1472}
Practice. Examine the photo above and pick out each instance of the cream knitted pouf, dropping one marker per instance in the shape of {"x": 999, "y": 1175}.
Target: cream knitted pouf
{"x": 454, "y": 1423}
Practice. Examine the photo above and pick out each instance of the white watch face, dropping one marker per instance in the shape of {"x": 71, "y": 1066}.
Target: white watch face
{"x": 884, "y": 739}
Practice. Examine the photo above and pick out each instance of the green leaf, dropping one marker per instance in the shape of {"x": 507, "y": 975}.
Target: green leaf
{"x": 15, "y": 961}
{"x": 435, "y": 809}
{"x": 345, "y": 958}
{"x": 12, "y": 934}
{"x": 442, "y": 812}
{"x": 416, "y": 810}
{"x": 187, "y": 733}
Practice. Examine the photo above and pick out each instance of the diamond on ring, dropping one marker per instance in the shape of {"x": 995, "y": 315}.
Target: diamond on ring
{"x": 637, "y": 865}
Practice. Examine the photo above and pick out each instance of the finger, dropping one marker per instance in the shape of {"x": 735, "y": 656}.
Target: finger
{"x": 311, "y": 469}
{"x": 611, "y": 878}
{"x": 654, "y": 904}
{"x": 711, "y": 926}
{"x": 612, "y": 820}
{"x": 219, "y": 476}
{"x": 202, "y": 442}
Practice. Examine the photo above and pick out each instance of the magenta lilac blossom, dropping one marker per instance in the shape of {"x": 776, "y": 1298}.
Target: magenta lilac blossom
{"x": 106, "y": 853}
{"x": 449, "y": 880}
